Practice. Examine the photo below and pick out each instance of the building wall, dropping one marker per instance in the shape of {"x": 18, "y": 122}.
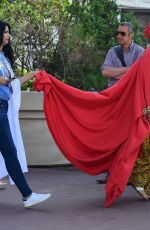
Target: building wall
{"x": 39, "y": 144}
{"x": 135, "y": 3}
{"x": 143, "y": 18}
{"x": 141, "y": 9}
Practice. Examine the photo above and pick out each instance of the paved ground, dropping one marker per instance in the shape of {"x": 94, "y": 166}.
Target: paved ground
{"x": 76, "y": 204}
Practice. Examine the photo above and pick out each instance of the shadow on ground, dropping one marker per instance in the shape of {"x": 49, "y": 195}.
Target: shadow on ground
{"x": 77, "y": 203}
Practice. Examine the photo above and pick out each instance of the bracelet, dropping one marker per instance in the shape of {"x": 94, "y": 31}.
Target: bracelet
{"x": 146, "y": 110}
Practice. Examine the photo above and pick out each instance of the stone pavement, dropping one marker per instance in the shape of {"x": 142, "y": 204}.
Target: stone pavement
{"x": 76, "y": 204}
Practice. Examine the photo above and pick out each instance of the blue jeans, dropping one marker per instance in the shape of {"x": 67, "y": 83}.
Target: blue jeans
{"x": 9, "y": 152}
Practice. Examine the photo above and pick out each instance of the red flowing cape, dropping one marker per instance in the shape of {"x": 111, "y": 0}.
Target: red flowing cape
{"x": 103, "y": 131}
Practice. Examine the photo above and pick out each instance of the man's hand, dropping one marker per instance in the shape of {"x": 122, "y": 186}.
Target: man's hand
{"x": 117, "y": 78}
{"x": 4, "y": 81}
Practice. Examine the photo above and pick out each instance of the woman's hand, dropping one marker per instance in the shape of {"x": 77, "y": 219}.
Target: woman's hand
{"x": 4, "y": 81}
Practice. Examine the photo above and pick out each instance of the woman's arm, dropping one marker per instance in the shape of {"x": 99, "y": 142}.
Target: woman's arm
{"x": 148, "y": 117}
{"x": 147, "y": 113}
{"x": 27, "y": 77}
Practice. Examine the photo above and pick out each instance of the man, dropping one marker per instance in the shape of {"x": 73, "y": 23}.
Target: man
{"x": 112, "y": 67}
{"x": 119, "y": 58}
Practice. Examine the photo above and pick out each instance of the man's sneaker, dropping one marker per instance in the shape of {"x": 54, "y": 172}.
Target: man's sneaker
{"x": 35, "y": 198}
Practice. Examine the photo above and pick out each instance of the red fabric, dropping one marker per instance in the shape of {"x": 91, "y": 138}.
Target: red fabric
{"x": 100, "y": 132}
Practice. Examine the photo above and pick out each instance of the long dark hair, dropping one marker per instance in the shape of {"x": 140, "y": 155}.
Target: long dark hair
{"x": 7, "y": 49}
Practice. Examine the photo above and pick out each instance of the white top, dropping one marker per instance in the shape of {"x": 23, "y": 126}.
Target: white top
{"x": 13, "y": 109}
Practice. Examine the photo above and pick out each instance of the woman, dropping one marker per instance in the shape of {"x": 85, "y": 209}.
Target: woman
{"x": 7, "y": 146}
{"x": 140, "y": 177}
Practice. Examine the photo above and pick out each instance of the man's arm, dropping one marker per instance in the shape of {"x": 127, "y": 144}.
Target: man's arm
{"x": 109, "y": 70}
{"x": 114, "y": 72}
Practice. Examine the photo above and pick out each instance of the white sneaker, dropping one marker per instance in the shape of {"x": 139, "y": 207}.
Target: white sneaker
{"x": 35, "y": 198}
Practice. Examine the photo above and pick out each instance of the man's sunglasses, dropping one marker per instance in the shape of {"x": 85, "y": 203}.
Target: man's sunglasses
{"x": 123, "y": 34}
